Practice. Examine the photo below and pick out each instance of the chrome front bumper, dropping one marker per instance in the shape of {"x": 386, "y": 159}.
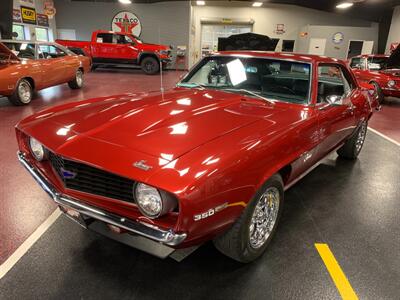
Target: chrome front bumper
{"x": 166, "y": 237}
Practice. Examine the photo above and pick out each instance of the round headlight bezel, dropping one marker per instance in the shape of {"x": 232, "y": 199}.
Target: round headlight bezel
{"x": 391, "y": 83}
{"x": 139, "y": 200}
{"x": 38, "y": 151}
{"x": 167, "y": 202}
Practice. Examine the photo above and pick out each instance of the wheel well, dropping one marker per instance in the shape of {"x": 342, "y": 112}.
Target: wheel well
{"x": 285, "y": 173}
{"x": 31, "y": 81}
{"x": 143, "y": 56}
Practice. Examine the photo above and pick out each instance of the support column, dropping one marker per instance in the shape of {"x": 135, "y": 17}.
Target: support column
{"x": 6, "y": 12}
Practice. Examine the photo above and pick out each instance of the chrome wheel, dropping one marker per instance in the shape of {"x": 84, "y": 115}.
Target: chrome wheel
{"x": 361, "y": 137}
{"x": 25, "y": 92}
{"x": 79, "y": 78}
{"x": 264, "y": 217}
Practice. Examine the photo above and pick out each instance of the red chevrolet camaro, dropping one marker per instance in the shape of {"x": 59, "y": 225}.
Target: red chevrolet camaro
{"x": 207, "y": 160}
{"x": 383, "y": 71}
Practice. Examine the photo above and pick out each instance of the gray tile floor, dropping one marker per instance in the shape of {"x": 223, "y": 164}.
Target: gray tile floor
{"x": 354, "y": 207}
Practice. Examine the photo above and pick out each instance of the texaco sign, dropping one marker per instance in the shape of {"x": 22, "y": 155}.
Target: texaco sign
{"x": 127, "y": 22}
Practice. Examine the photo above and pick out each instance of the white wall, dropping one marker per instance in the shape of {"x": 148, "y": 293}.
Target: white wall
{"x": 267, "y": 17}
{"x": 338, "y": 50}
{"x": 31, "y": 28}
{"x": 394, "y": 33}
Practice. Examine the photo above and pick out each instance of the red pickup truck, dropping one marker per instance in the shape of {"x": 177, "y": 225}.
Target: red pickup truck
{"x": 108, "y": 47}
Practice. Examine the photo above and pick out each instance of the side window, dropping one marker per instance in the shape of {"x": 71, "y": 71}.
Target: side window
{"x": 50, "y": 51}
{"x": 120, "y": 39}
{"x": 105, "y": 38}
{"x": 333, "y": 80}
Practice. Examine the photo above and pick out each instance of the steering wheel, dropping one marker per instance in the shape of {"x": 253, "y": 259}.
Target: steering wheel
{"x": 282, "y": 90}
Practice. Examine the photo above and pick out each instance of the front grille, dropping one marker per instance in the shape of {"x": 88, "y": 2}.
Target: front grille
{"x": 84, "y": 178}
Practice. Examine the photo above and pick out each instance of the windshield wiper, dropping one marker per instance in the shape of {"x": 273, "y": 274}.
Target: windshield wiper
{"x": 252, "y": 93}
{"x": 191, "y": 85}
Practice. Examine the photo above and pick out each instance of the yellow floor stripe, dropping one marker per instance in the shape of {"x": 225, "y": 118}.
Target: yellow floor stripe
{"x": 338, "y": 277}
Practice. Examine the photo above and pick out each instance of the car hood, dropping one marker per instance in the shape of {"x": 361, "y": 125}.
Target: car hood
{"x": 6, "y": 55}
{"x": 394, "y": 59}
{"x": 163, "y": 126}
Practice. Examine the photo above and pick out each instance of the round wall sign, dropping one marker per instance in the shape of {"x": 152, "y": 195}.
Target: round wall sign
{"x": 126, "y": 22}
{"x": 338, "y": 38}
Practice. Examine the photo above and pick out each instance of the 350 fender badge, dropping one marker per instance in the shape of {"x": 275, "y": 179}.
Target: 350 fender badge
{"x": 210, "y": 212}
{"x": 141, "y": 164}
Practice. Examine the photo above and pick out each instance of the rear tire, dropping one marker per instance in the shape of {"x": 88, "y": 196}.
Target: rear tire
{"x": 352, "y": 148}
{"x": 378, "y": 89}
{"x": 150, "y": 65}
{"x": 250, "y": 235}
{"x": 23, "y": 93}
{"x": 77, "y": 82}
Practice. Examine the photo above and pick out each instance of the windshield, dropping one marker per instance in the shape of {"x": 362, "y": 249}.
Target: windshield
{"x": 376, "y": 63}
{"x": 268, "y": 78}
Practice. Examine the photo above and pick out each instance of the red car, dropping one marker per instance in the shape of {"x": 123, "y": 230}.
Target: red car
{"x": 382, "y": 71}
{"x": 26, "y": 67}
{"x": 110, "y": 48}
{"x": 207, "y": 160}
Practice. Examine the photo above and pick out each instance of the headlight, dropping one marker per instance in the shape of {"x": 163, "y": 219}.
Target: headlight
{"x": 391, "y": 83}
{"x": 163, "y": 52}
{"x": 37, "y": 149}
{"x": 152, "y": 202}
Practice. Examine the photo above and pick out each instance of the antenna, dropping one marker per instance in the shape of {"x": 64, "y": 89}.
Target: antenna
{"x": 161, "y": 69}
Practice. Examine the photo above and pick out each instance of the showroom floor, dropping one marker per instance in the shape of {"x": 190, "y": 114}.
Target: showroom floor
{"x": 351, "y": 206}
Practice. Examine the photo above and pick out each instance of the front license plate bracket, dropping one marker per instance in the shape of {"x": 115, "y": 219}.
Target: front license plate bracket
{"x": 74, "y": 215}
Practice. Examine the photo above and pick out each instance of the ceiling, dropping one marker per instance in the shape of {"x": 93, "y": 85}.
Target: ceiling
{"x": 371, "y": 10}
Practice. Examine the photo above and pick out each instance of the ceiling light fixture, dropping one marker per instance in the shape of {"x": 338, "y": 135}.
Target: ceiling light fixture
{"x": 201, "y": 2}
{"x": 125, "y": 1}
{"x": 344, "y": 5}
{"x": 257, "y": 4}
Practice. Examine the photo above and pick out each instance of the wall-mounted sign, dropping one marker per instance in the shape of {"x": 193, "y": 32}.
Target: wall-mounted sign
{"x": 338, "y": 38}
{"x": 226, "y": 21}
{"x": 49, "y": 9}
{"x": 127, "y": 22}
{"x": 280, "y": 29}
{"x": 42, "y": 20}
{"x": 30, "y": 3}
{"x": 28, "y": 15}
{"x": 17, "y": 16}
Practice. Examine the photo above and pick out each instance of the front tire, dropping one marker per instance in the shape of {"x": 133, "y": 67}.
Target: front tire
{"x": 77, "y": 82}
{"x": 150, "y": 65}
{"x": 352, "y": 148}
{"x": 23, "y": 93}
{"x": 248, "y": 238}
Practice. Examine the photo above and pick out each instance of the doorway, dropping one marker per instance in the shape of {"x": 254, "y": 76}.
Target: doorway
{"x": 287, "y": 45}
{"x": 357, "y": 47}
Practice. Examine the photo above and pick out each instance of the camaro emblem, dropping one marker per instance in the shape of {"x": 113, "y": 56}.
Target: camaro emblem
{"x": 141, "y": 164}
{"x": 66, "y": 174}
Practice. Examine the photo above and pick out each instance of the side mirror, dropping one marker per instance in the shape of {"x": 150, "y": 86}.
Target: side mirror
{"x": 334, "y": 100}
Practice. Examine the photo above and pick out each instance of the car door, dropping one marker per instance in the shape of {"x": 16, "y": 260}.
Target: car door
{"x": 104, "y": 49}
{"x": 47, "y": 73}
{"x": 336, "y": 118}
{"x": 54, "y": 64}
{"x": 126, "y": 48}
